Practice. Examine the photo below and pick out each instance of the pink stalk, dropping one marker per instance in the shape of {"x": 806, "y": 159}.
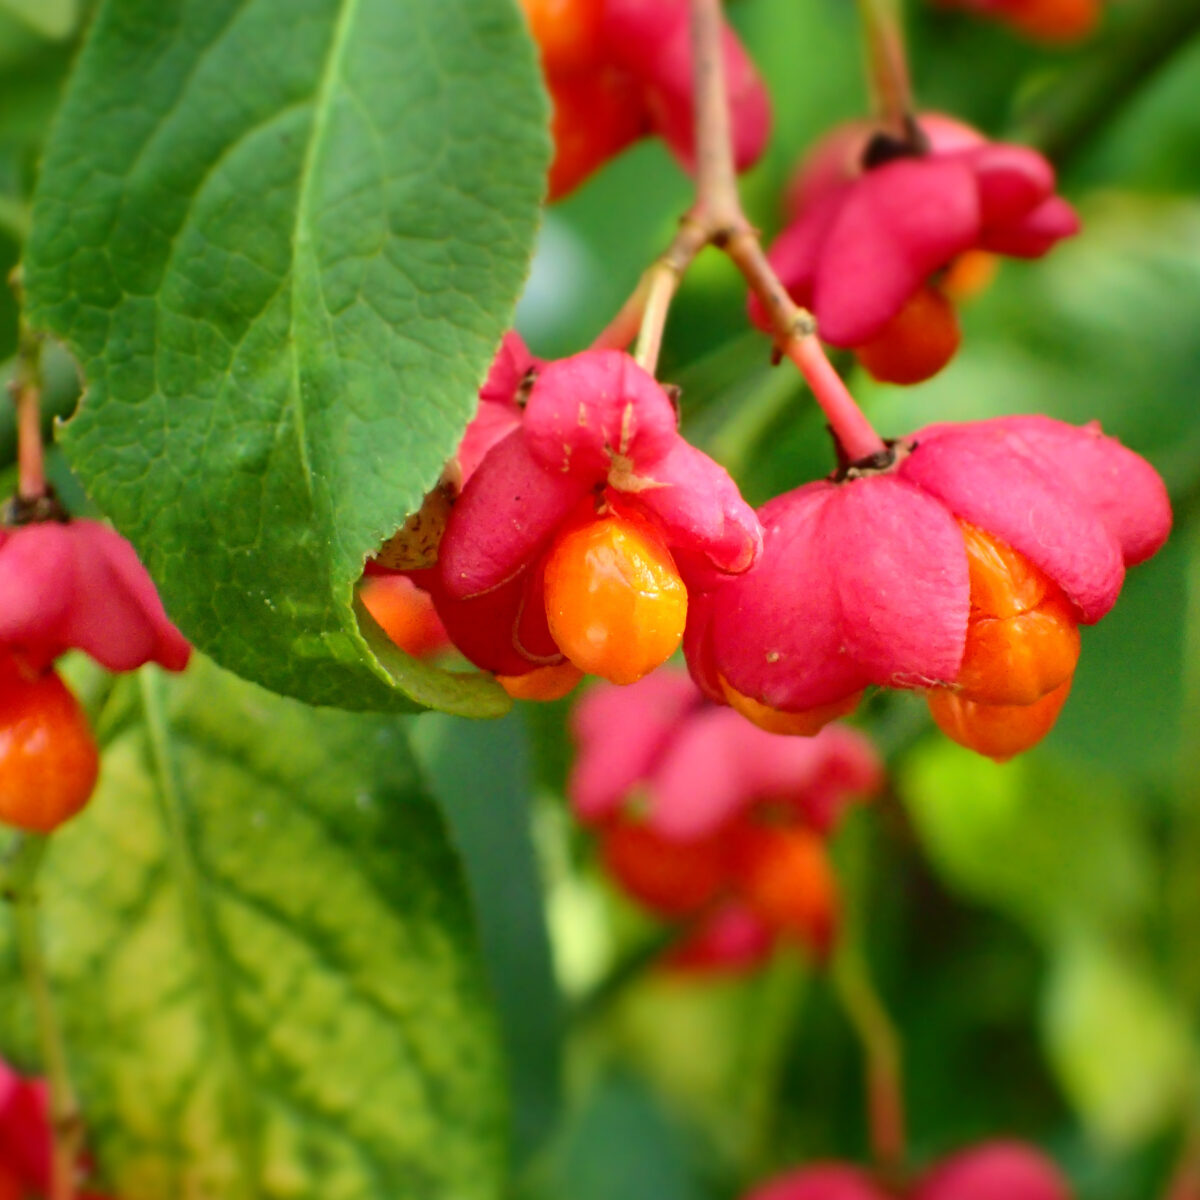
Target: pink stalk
{"x": 851, "y": 428}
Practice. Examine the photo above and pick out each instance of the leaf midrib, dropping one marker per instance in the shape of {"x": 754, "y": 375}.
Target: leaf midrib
{"x": 301, "y": 229}
{"x": 196, "y": 903}
{"x": 197, "y": 908}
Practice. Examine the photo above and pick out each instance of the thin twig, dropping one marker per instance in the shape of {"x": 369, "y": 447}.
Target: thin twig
{"x": 660, "y": 291}
{"x": 887, "y": 64}
{"x": 644, "y": 314}
{"x": 719, "y": 203}
{"x": 661, "y": 282}
{"x": 26, "y": 392}
{"x": 717, "y": 219}
{"x": 881, "y": 1050}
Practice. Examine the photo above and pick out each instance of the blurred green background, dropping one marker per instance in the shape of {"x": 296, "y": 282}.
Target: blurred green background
{"x": 1034, "y": 928}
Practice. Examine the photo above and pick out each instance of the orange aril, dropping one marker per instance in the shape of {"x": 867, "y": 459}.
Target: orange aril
{"x": 405, "y": 613}
{"x": 998, "y": 731}
{"x": 785, "y": 875}
{"x": 615, "y": 604}
{"x": 596, "y": 115}
{"x": 672, "y": 878}
{"x": 916, "y": 343}
{"x": 1021, "y": 650}
{"x": 542, "y": 683}
{"x": 1054, "y": 20}
{"x": 1003, "y": 583}
{"x": 48, "y": 758}
{"x": 968, "y": 275}
{"x": 567, "y": 32}
{"x": 1017, "y": 660}
{"x": 1022, "y": 633}
{"x": 807, "y": 722}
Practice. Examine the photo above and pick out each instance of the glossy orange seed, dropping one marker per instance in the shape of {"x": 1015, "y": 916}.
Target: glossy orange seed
{"x": 785, "y": 875}
{"x": 998, "y": 731}
{"x": 1017, "y": 660}
{"x": 405, "y": 613}
{"x": 671, "y": 878}
{"x": 1003, "y": 583}
{"x": 596, "y": 115}
{"x": 542, "y": 683}
{"x": 567, "y": 32}
{"x": 1022, "y": 633}
{"x": 968, "y": 275}
{"x": 615, "y": 604}
{"x": 48, "y": 758}
{"x": 916, "y": 343}
{"x": 806, "y": 723}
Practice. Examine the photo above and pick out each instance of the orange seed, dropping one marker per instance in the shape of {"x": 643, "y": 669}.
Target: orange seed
{"x": 615, "y": 604}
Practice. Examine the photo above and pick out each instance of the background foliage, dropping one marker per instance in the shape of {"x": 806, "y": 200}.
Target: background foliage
{"x": 269, "y": 984}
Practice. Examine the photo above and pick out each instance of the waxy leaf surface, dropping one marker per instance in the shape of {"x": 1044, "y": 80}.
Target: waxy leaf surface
{"x": 283, "y": 238}
{"x": 262, "y": 953}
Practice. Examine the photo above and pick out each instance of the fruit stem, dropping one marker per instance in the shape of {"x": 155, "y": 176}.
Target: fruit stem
{"x": 644, "y": 314}
{"x": 20, "y": 887}
{"x": 847, "y": 421}
{"x": 718, "y": 203}
{"x": 798, "y": 341}
{"x": 716, "y": 218}
{"x": 26, "y": 392}
{"x": 659, "y": 292}
{"x": 881, "y": 1048}
{"x": 661, "y": 282}
{"x": 719, "y": 206}
{"x": 887, "y": 64}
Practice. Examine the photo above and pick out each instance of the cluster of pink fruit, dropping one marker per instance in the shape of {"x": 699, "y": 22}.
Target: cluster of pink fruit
{"x": 707, "y": 821}
{"x": 991, "y": 1171}
{"x": 587, "y": 536}
{"x": 579, "y": 533}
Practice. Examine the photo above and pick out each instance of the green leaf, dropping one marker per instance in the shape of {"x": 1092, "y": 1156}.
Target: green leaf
{"x": 480, "y": 776}
{"x": 51, "y": 18}
{"x": 1122, "y": 1050}
{"x": 283, "y": 238}
{"x": 263, "y": 956}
